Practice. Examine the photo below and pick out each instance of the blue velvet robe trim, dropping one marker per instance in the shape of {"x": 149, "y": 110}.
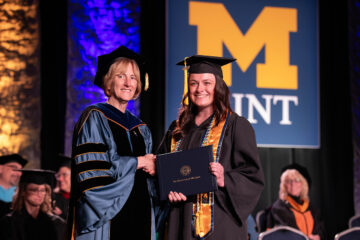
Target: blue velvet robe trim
{"x": 98, "y": 205}
{"x": 126, "y": 119}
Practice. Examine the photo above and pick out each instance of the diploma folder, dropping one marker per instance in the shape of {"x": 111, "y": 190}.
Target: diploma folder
{"x": 186, "y": 171}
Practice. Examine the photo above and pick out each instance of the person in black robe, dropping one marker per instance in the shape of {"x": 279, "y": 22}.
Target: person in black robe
{"x": 31, "y": 218}
{"x": 208, "y": 119}
{"x": 293, "y": 207}
{"x": 62, "y": 191}
{"x": 5, "y": 208}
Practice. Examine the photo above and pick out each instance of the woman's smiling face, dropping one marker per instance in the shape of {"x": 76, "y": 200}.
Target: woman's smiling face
{"x": 124, "y": 84}
{"x": 202, "y": 90}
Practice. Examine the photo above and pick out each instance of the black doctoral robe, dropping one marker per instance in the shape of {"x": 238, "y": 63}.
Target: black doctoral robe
{"x": 280, "y": 214}
{"x": 22, "y": 226}
{"x": 244, "y": 182}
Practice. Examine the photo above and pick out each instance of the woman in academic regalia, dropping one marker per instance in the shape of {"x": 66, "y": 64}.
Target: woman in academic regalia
{"x": 293, "y": 208}
{"x": 32, "y": 218}
{"x": 207, "y": 119}
{"x": 112, "y": 189}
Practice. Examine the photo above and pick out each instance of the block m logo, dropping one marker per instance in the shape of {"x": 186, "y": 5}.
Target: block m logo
{"x": 271, "y": 30}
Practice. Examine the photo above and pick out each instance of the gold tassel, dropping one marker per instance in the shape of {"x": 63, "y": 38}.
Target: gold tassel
{"x": 146, "y": 87}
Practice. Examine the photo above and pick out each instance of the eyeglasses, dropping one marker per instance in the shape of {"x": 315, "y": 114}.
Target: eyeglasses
{"x": 295, "y": 180}
{"x": 64, "y": 175}
{"x": 12, "y": 167}
{"x": 36, "y": 190}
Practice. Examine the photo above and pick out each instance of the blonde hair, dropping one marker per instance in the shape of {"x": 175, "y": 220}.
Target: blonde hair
{"x": 292, "y": 173}
{"x": 19, "y": 199}
{"x": 120, "y": 65}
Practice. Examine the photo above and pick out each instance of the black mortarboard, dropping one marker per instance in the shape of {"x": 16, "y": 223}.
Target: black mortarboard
{"x": 38, "y": 176}
{"x": 64, "y": 161}
{"x": 205, "y": 64}
{"x": 13, "y": 158}
{"x": 105, "y": 61}
{"x": 302, "y": 170}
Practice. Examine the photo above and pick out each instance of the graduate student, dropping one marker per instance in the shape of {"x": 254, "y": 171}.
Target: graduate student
{"x": 205, "y": 118}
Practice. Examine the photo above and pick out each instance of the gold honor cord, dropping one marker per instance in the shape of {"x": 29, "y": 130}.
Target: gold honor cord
{"x": 203, "y": 222}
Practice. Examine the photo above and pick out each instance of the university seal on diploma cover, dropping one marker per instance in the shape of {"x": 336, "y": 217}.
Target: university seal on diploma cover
{"x": 186, "y": 172}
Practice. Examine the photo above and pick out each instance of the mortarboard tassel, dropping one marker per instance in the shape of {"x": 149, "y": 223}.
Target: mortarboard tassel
{"x": 146, "y": 87}
{"x": 185, "y": 80}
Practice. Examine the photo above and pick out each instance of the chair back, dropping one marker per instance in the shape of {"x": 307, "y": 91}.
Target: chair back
{"x": 283, "y": 233}
{"x": 261, "y": 221}
{"x": 354, "y": 221}
{"x": 350, "y": 234}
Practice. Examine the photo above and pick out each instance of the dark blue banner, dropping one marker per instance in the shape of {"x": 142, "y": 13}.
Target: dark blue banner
{"x": 274, "y": 81}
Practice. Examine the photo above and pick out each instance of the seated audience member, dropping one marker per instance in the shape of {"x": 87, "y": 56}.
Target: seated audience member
{"x": 62, "y": 192}
{"x": 293, "y": 208}
{"x": 9, "y": 179}
{"x": 32, "y": 216}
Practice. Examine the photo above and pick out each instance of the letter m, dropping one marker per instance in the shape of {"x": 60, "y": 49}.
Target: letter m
{"x": 271, "y": 30}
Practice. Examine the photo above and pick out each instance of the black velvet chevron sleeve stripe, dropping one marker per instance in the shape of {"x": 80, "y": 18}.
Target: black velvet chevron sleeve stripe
{"x": 90, "y": 148}
{"x": 94, "y": 165}
{"x": 95, "y": 182}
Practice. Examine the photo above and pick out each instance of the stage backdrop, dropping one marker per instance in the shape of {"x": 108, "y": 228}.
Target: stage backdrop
{"x": 274, "y": 81}
{"x": 20, "y": 102}
{"x": 95, "y": 27}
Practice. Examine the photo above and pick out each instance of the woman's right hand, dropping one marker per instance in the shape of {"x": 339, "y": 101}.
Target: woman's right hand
{"x": 147, "y": 163}
{"x": 57, "y": 211}
{"x": 175, "y": 197}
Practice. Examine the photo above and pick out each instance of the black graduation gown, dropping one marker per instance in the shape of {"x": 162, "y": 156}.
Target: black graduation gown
{"x": 244, "y": 182}
{"x": 63, "y": 204}
{"x": 5, "y": 208}
{"x": 22, "y": 226}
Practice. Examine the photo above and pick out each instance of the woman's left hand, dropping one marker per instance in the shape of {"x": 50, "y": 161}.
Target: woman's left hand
{"x": 218, "y": 170}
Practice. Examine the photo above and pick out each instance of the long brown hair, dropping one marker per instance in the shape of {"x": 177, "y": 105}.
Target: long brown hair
{"x": 188, "y": 112}
{"x": 18, "y": 199}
